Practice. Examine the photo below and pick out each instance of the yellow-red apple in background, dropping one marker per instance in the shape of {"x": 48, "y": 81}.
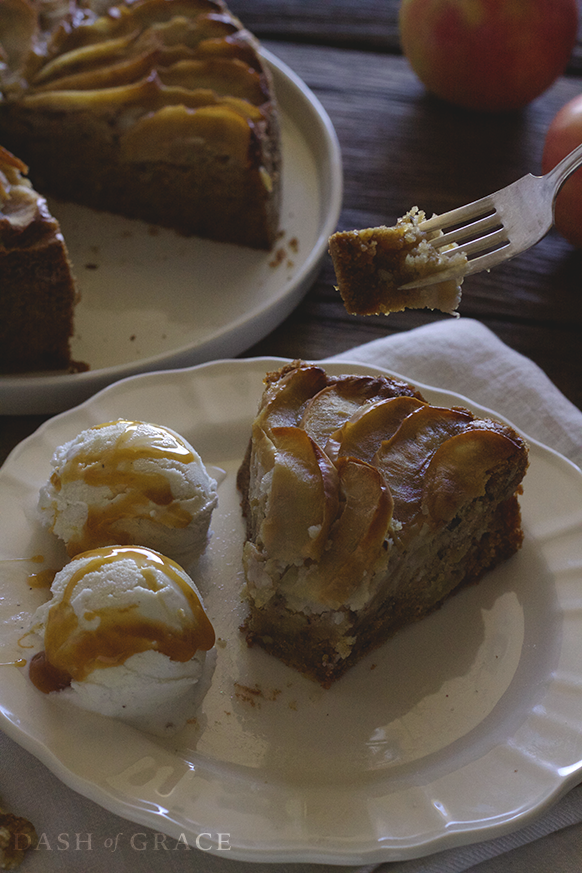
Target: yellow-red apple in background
{"x": 564, "y": 134}
{"x": 490, "y": 55}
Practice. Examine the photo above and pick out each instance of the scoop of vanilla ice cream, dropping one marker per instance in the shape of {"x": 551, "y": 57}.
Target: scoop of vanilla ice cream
{"x": 125, "y": 635}
{"x": 129, "y": 482}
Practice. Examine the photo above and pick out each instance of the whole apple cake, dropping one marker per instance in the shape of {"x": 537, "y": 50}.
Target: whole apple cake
{"x": 161, "y": 110}
{"x": 366, "y": 507}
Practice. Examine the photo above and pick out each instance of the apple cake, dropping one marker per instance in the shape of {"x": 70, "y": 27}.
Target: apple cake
{"x": 160, "y": 110}
{"x": 371, "y": 265}
{"x": 37, "y": 288}
{"x": 366, "y": 507}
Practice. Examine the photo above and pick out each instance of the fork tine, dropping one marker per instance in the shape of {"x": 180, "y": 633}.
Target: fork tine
{"x": 476, "y": 265}
{"x": 488, "y": 241}
{"x": 474, "y": 229}
{"x": 490, "y": 259}
{"x": 475, "y": 210}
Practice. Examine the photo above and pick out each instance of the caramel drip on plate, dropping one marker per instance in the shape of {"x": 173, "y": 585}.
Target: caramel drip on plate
{"x": 133, "y": 490}
{"x": 42, "y": 579}
{"x": 72, "y": 653}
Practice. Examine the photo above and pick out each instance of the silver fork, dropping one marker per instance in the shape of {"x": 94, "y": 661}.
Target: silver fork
{"x": 500, "y": 225}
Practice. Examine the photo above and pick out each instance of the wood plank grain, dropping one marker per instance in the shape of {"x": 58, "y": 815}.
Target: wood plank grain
{"x": 369, "y": 25}
{"x": 332, "y": 22}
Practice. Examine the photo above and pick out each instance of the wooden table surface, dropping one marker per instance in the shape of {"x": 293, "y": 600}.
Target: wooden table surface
{"x": 401, "y": 147}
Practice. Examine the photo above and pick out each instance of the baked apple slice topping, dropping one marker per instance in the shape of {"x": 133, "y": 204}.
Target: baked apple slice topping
{"x": 167, "y": 135}
{"x": 363, "y": 434}
{"x": 342, "y": 400}
{"x": 357, "y": 536}
{"x": 405, "y": 457}
{"x": 221, "y": 76}
{"x": 286, "y": 397}
{"x": 302, "y": 494}
{"x": 85, "y": 58}
{"x": 147, "y": 55}
{"x": 19, "y": 203}
{"x": 459, "y": 470}
{"x": 18, "y": 30}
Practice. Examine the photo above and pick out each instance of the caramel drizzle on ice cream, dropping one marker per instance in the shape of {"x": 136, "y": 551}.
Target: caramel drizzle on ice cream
{"x": 133, "y": 490}
{"x": 71, "y": 652}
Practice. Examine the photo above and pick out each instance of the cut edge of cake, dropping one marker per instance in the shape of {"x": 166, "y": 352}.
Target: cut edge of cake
{"x": 38, "y": 293}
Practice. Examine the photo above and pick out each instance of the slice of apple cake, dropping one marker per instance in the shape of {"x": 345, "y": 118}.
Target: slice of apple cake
{"x": 38, "y": 293}
{"x": 365, "y": 508}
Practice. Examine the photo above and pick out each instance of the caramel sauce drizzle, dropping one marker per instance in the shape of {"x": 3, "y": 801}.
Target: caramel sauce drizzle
{"x": 42, "y": 579}
{"x": 71, "y": 653}
{"x": 133, "y": 490}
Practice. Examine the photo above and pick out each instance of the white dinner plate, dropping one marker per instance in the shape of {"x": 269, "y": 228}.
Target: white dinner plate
{"x": 461, "y": 728}
{"x": 152, "y": 299}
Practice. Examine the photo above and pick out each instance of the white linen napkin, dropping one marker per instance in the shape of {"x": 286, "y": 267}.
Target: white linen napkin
{"x": 460, "y": 355}
{"x": 463, "y": 355}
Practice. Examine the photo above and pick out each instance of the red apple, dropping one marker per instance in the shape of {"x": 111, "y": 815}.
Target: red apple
{"x": 491, "y": 55}
{"x": 564, "y": 134}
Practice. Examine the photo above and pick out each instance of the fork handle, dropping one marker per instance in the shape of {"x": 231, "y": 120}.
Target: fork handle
{"x": 564, "y": 169}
